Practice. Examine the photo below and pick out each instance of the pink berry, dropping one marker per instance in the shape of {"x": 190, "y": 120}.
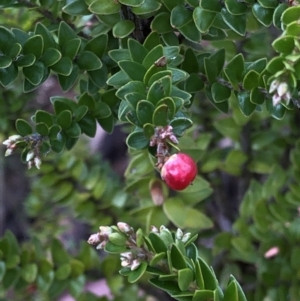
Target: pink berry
{"x": 179, "y": 171}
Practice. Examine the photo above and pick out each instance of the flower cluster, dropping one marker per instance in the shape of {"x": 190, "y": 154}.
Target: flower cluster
{"x": 11, "y": 144}
{"x": 101, "y": 238}
{"x": 179, "y": 235}
{"x": 280, "y": 92}
{"x": 160, "y": 138}
{"x": 33, "y": 142}
{"x": 134, "y": 256}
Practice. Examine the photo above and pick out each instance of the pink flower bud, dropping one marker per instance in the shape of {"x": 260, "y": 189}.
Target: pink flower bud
{"x": 94, "y": 239}
{"x": 123, "y": 227}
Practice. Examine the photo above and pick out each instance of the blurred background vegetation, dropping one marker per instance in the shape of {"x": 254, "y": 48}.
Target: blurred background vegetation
{"x": 248, "y": 214}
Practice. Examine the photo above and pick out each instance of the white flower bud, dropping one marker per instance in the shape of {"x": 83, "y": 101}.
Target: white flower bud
{"x": 105, "y": 230}
{"x": 37, "y": 162}
{"x": 282, "y": 89}
{"x": 273, "y": 86}
{"x": 8, "y": 152}
{"x": 14, "y": 138}
{"x": 7, "y": 142}
{"x": 29, "y": 156}
{"x": 125, "y": 263}
{"x": 153, "y": 229}
{"x": 186, "y": 237}
{"x": 135, "y": 264}
{"x": 179, "y": 234}
{"x": 126, "y": 255}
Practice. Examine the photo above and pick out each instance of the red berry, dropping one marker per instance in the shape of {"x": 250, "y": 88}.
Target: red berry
{"x": 179, "y": 171}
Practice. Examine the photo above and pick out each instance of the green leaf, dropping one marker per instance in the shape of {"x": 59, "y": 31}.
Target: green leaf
{"x": 262, "y": 14}
{"x": 8, "y": 75}
{"x": 88, "y": 125}
{"x": 29, "y": 272}
{"x": 42, "y": 129}
{"x": 64, "y": 119}
{"x": 180, "y": 16}
{"x": 107, "y": 123}
{"x": 80, "y": 112}
{"x": 177, "y": 258}
{"x": 87, "y": 60}
{"x": 34, "y": 45}
{"x": 190, "y": 32}
{"x": 104, "y": 7}
{"x": 23, "y": 127}
{"x": 74, "y": 130}
{"x": 71, "y": 49}
{"x": 251, "y": 80}
{"x": 97, "y": 45}
{"x": 145, "y": 110}
{"x": 152, "y": 41}
{"x": 246, "y": 106}
{"x": 185, "y": 217}
{"x": 5, "y": 61}
{"x": 132, "y": 3}
{"x": 134, "y": 70}
{"x": 156, "y": 53}
{"x": 219, "y": 92}
{"x": 290, "y": 15}
{"x": 50, "y": 57}
{"x": 148, "y": 6}
{"x": 59, "y": 253}
{"x": 2, "y": 270}
{"x": 277, "y": 111}
{"x": 211, "y": 5}
{"x": 136, "y": 50}
{"x": 135, "y": 275}
{"x": 63, "y": 67}
{"x": 87, "y": 100}
{"x": 236, "y": 22}
{"x": 63, "y": 104}
{"x": 236, "y": 8}
{"x": 203, "y": 295}
{"x": 118, "y": 79}
{"x": 123, "y": 29}
{"x": 277, "y": 16}
{"x": 180, "y": 124}
{"x": 214, "y": 64}
{"x": 67, "y": 82}
{"x": 148, "y": 130}
{"x": 284, "y": 44}
{"x": 157, "y": 243}
{"x": 161, "y": 23}
{"x": 159, "y": 89}
{"x": 25, "y": 60}
{"x": 234, "y": 70}
{"x": 43, "y": 31}
{"x": 35, "y": 73}
{"x": 137, "y": 140}
{"x": 76, "y": 8}
{"x": 15, "y": 50}
{"x": 234, "y": 291}
{"x": 65, "y": 34}
{"x": 160, "y": 115}
{"x": 6, "y": 39}
{"x": 63, "y": 272}
{"x": 203, "y": 19}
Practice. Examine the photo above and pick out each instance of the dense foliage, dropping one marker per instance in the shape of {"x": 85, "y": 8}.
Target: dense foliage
{"x": 217, "y": 80}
